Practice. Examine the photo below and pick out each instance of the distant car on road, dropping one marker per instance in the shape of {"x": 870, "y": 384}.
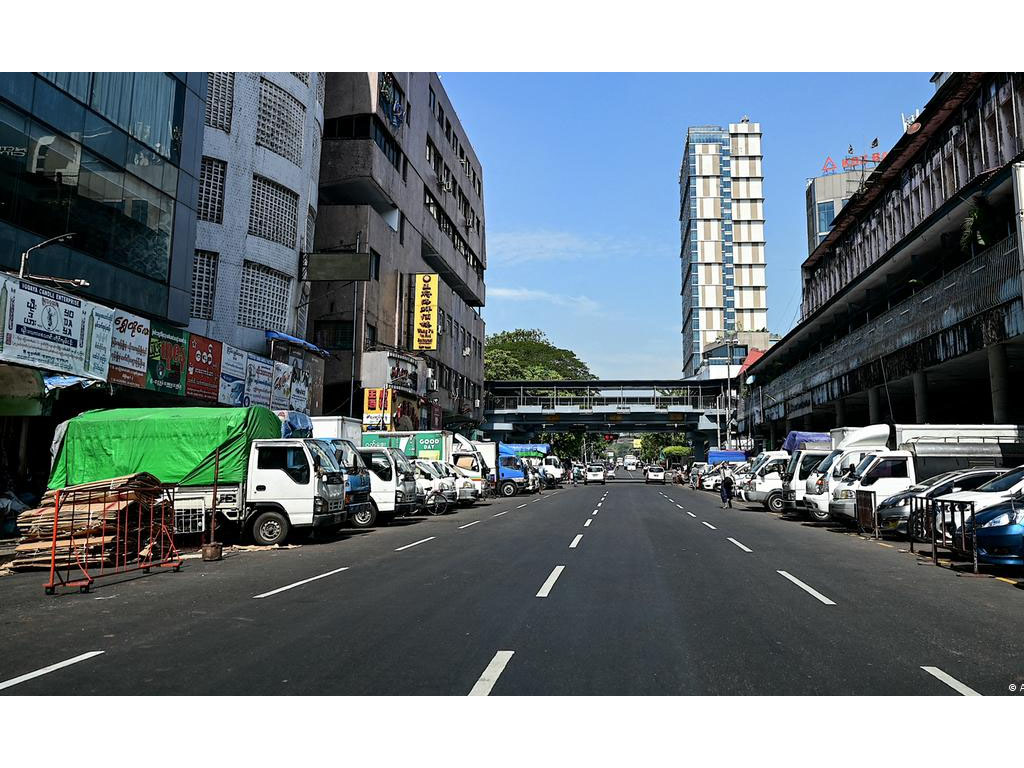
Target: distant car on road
{"x": 655, "y": 474}
{"x": 595, "y": 474}
{"x": 610, "y": 474}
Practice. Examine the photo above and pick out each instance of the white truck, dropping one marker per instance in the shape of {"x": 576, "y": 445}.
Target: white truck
{"x": 629, "y": 462}
{"x": 850, "y": 446}
{"x": 802, "y": 463}
{"x": 552, "y": 467}
{"x": 764, "y": 485}
{"x": 915, "y": 452}
{"x": 392, "y": 482}
{"x": 263, "y": 484}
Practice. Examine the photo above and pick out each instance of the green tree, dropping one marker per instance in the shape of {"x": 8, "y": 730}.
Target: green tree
{"x": 530, "y": 355}
{"x": 502, "y": 365}
{"x": 537, "y": 356}
{"x": 652, "y": 443}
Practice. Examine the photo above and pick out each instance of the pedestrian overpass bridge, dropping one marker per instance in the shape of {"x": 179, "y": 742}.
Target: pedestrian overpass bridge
{"x": 523, "y": 408}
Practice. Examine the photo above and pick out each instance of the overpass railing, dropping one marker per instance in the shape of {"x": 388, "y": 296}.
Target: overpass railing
{"x": 694, "y": 400}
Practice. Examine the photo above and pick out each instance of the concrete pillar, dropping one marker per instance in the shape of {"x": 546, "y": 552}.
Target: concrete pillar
{"x": 921, "y": 396}
{"x": 840, "y": 413}
{"x": 875, "y": 405}
{"x": 999, "y": 379}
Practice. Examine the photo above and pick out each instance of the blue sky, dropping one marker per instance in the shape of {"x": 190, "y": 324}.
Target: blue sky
{"x": 581, "y": 192}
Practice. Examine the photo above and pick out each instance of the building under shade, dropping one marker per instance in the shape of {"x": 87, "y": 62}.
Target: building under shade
{"x": 911, "y": 304}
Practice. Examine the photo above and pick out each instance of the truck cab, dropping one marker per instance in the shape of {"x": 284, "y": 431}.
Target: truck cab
{"x": 886, "y": 473}
{"x": 794, "y": 484}
{"x": 552, "y": 467}
{"x": 511, "y": 475}
{"x": 765, "y": 483}
{"x": 358, "y": 485}
{"x": 292, "y": 483}
{"x": 392, "y": 482}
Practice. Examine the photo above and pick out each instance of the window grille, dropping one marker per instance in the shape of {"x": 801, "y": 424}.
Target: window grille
{"x": 274, "y": 212}
{"x": 321, "y": 86}
{"x": 281, "y": 121}
{"x": 210, "y": 206}
{"x": 204, "y": 284}
{"x": 220, "y": 99}
{"x": 263, "y": 297}
{"x": 303, "y": 76}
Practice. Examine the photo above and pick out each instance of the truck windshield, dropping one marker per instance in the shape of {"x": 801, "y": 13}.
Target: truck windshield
{"x": 827, "y": 462}
{"x": 401, "y": 461}
{"x": 791, "y": 467}
{"x": 866, "y": 462}
{"x": 327, "y": 462}
{"x": 346, "y": 454}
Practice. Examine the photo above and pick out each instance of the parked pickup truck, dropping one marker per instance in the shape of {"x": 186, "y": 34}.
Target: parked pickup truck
{"x": 266, "y": 485}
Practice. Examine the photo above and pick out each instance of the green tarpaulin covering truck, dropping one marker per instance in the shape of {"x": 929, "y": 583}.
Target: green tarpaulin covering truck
{"x": 266, "y": 484}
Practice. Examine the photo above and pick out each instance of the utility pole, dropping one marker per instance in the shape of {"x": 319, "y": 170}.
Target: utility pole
{"x": 352, "y": 371}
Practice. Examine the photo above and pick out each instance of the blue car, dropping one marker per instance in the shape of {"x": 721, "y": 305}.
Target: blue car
{"x": 1001, "y": 534}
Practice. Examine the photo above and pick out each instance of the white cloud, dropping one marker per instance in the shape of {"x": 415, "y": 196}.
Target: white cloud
{"x": 578, "y": 303}
{"x": 523, "y": 247}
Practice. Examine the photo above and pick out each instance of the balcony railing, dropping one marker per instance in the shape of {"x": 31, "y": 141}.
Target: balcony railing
{"x": 989, "y": 279}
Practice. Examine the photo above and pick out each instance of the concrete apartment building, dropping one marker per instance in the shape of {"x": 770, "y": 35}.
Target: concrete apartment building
{"x": 257, "y": 205}
{"x": 400, "y": 181}
{"x": 722, "y": 254}
{"x": 911, "y": 305}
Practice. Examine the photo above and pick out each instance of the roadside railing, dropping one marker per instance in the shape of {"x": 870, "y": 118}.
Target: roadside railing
{"x": 865, "y": 512}
{"x": 945, "y": 524}
{"x": 110, "y": 527}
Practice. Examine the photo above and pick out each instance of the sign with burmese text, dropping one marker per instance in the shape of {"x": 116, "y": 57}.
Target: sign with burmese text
{"x": 167, "y": 352}
{"x": 129, "y": 350}
{"x": 259, "y": 380}
{"x": 50, "y": 329}
{"x": 425, "y": 313}
{"x": 202, "y": 380}
{"x": 232, "y": 375}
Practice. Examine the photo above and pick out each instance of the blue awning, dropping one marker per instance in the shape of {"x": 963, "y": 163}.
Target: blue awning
{"x": 277, "y": 335}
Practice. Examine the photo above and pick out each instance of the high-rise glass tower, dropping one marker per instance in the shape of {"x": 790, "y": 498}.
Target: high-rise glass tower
{"x": 721, "y": 214}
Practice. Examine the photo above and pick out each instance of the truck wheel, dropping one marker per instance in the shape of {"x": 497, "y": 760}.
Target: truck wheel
{"x": 270, "y": 528}
{"x": 774, "y": 502}
{"x": 818, "y": 516}
{"x": 508, "y": 489}
{"x": 365, "y": 518}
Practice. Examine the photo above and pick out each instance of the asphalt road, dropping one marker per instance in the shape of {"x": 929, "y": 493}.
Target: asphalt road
{"x": 615, "y": 589}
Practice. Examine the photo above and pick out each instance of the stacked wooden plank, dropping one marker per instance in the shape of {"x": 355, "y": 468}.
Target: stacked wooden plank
{"x": 87, "y": 526}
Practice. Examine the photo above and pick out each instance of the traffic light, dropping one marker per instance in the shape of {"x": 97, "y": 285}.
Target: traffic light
{"x": 610, "y": 438}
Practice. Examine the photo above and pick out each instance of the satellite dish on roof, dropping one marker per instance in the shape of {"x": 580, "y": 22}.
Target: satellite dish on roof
{"x": 913, "y": 128}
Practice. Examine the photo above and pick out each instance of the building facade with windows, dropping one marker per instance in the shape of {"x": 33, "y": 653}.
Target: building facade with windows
{"x": 722, "y": 251}
{"x": 911, "y": 305}
{"x": 401, "y": 183}
{"x": 113, "y": 157}
{"x": 256, "y": 205}
{"x": 826, "y": 195}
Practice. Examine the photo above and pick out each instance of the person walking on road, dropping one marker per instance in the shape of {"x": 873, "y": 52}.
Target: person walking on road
{"x": 727, "y": 490}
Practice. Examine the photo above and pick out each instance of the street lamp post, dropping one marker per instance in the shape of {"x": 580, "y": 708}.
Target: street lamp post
{"x": 24, "y": 256}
